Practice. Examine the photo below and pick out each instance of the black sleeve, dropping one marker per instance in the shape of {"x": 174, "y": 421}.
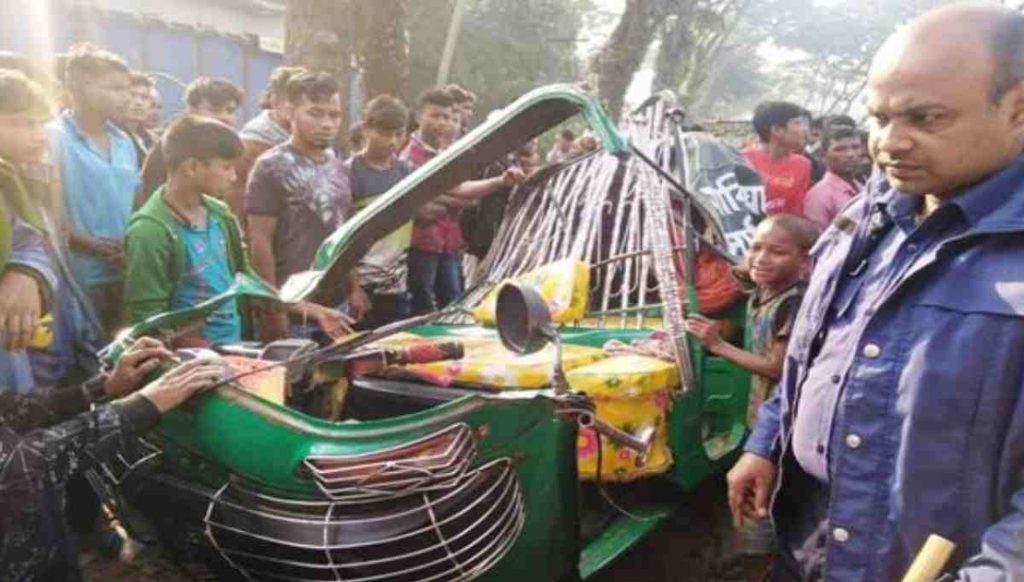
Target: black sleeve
{"x": 49, "y": 456}
{"x": 782, "y": 326}
{"x": 24, "y": 412}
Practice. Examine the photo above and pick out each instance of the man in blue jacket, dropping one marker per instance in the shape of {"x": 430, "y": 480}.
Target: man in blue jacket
{"x": 900, "y": 411}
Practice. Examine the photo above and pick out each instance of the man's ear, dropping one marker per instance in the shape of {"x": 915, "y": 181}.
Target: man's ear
{"x": 1015, "y": 99}
{"x": 806, "y": 266}
{"x": 286, "y": 109}
{"x": 189, "y": 167}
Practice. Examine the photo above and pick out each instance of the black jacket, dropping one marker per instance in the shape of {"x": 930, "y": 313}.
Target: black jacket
{"x": 45, "y": 438}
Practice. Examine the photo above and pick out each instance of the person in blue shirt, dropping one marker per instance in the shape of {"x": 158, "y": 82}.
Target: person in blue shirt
{"x": 99, "y": 172}
{"x": 900, "y": 412}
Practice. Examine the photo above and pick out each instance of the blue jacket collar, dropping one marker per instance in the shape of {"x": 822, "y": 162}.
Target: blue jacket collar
{"x": 994, "y": 204}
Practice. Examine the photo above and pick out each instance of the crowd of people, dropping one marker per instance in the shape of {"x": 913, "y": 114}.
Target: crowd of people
{"x": 108, "y": 217}
{"x": 810, "y": 166}
{"x": 885, "y": 284}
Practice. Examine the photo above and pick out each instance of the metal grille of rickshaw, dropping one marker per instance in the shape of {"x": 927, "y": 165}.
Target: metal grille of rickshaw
{"x": 433, "y": 462}
{"x": 452, "y": 534}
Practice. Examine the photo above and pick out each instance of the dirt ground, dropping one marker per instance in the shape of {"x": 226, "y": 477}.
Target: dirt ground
{"x": 149, "y": 569}
{"x": 691, "y": 546}
{"x": 688, "y": 547}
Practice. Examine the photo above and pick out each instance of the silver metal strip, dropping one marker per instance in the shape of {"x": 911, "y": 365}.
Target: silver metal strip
{"x": 462, "y": 447}
{"x": 509, "y": 522}
{"x": 470, "y": 481}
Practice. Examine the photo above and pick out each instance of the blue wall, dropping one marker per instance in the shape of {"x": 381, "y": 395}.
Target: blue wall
{"x": 150, "y": 45}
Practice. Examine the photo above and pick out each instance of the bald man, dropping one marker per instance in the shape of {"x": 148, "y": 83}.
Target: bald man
{"x": 901, "y": 411}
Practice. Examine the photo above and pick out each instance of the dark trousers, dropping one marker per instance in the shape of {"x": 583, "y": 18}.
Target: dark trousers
{"x": 800, "y": 510}
{"x": 385, "y": 308}
{"x": 435, "y": 280}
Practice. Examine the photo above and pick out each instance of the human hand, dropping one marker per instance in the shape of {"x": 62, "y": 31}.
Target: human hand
{"x": 513, "y": 177}
{"x": 112, "y": 250}
{"x": 94, "y": 245}
{"x": 707, "y": 332}
{"x": 359, "y": 302}
{"x": 140, "y": 359}
{"x": 750, "y": 483}
{"x": 183, "y": 382}
{"x": 332, "y": 321}
{"x": 21, "y": 307}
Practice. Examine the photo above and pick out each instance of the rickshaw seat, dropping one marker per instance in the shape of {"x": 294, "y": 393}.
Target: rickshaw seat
{"x": 564, "y": 285}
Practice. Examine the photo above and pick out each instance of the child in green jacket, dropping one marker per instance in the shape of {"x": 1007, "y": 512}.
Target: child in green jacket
{"x": 184, "y": 246}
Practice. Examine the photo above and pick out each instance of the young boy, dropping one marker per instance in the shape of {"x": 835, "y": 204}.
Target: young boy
{"x": 99, "y": 173}
{"x": 373, "y": 171}
{"x": 782, "y": 129}
{"x": 184, "y": 246}
{"x": 136, "y": 113}
{"x": 778, "y": 264}
{"x": 216, "y": 98}
{"x": 435, "y": 260}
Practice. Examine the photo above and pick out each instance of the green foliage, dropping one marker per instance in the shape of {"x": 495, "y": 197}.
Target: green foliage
{"x": 505, "y": 49}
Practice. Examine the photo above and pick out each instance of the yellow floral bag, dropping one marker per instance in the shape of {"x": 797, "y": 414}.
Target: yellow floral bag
{"x": 564, "y": 284}
{"x": 631, "y": 392}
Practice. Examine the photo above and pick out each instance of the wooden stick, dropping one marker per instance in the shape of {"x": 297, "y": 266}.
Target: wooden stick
{"x": 930, "y": 560}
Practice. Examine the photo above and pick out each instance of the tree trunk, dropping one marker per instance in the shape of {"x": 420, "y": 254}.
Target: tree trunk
{"x": 384, "y": 47}
{"x": 708, "y": 30}
{"x": 320, "y": 35}
{"x": 617, "y": 62}
{"x": 673, "y": 52}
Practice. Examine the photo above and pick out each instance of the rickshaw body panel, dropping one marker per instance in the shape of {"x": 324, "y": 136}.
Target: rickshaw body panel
{"x": 229, "y": 435}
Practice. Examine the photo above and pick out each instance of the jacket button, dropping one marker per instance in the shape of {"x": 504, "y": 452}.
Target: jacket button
{"x": 872, "y": 351}
{"x": 840, "y": 535}
{"x": 853, "y": 441}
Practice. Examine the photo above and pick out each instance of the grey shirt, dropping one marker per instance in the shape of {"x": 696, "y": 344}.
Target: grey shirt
{"x": 264, "y": 129}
